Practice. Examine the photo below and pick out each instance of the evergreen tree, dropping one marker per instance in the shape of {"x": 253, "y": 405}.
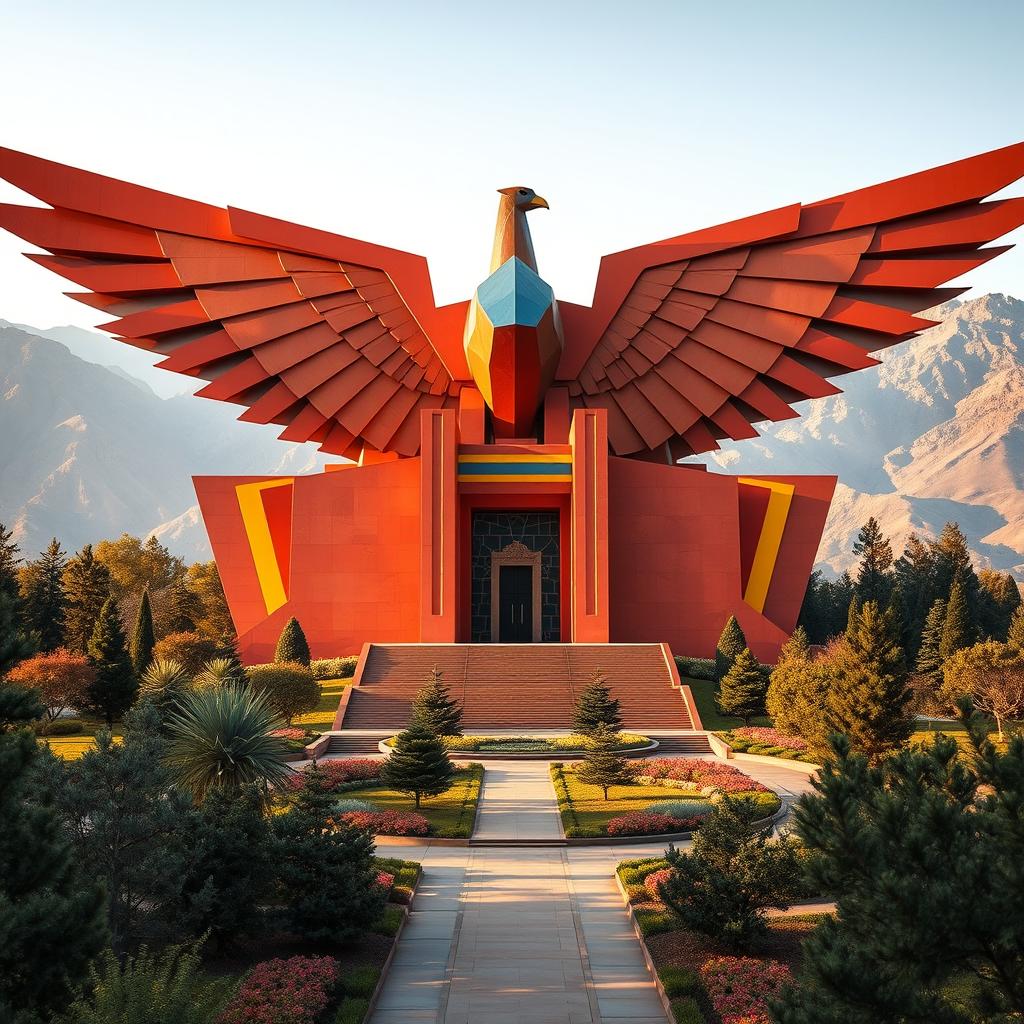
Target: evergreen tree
{"x": 435, "y": 709}
{"x": 1000, "y": 598}
{"x": 292, "y": 646}
{"x": 14, "y": 647}
{"x": 743, "y": 688}
{"x": 595, "y": 706}
{"x": 86, "y": 589}
{"x": 813, "y": 618}
{"x": 867, "y": 686}
{"x": 927, "y": 837}
{"x": 874, "y": 574}
{"x": 51, "y": 910}
{"x": 42, "y": 597}
{"x": 9, "y": 562}
{"x": 839, "y": 594}
{"x": 418, "y": 764}
{"x": 952, "y": 558}
{"x": 730, "y": 643}
{"x": 116, "y": 684}
{"x": 929, "y": 660}
{"x": 1014, "y": 635}
{"x": 227, "y": 650}
{"x": 603, "y": 765}
{"x": 795, "y": 696}
{"x": 140, "y": 648}
{"x": 913, "y": 573}
{"x": 852, "y": 613}
{"x": 181, "y": 608}
{"x": 956, "y": 630}
{"x": 324, "y": 869}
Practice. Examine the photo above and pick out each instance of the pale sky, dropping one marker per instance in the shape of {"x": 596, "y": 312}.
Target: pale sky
{"x": 395, "y": 122}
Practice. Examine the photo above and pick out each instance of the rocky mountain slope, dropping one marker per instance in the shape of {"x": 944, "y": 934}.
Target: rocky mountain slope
{"x": 935, "y": 433}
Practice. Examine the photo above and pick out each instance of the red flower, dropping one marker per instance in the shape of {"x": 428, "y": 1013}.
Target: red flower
{"x": 739, "y": 987}
{"x": 643, "y": 823}
{"x": 389, "y": 823}
{"x": 294, "y": 991}
{"x": 653, "y": 882}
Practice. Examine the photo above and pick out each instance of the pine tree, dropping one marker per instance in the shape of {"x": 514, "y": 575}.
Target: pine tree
{"x": 143, "y": 640}
{"x": 874, "y": 575}
{"x": 796, "y": 694}
{"x": 1000, "y": 598}
{"x": 9, "y": 562}
{"x": 595, "y": 706}
{"x": 813, "y": 615}
{"x": 14, "y": 647}
{"x": 603, "y": 765}
{"x": 42, "y": 597}
{"x": 929, "y": 660}
{"x": 914, "y": 582}
{"x": 435, "y": 709}
{"x": 730, "y": 643}
{"x": 182, "y": 608}
{"x": 86, "y": 588}
{"x": 840, "y": 594}
{"x": 742, "y": 690}
{"x": 116, "y": 684}
{"x": 852, "y": 613}
{"x": 292, "y": 646}
{"x": 1014, "y": 636}
{"x": 956, "y": 630}
{"x": 418, "y": 764}
{"x": 53, "y": 921}
{"x": 867, "y": 686}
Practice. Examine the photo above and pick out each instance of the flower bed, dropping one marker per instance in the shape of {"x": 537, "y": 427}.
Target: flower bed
{"x": 292, "y": 991}
{"x": 691, "y": 775}
{"x": 645, "y": 823}
{"x": 531, "y": 744}
{"x": 768, "y": 743}
{"x": 388, "y": 823}
{"x": 739, "y": 987}
{"x": 345, "y": 773}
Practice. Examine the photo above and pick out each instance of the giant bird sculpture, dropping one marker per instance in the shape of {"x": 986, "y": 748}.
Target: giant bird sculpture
{"x": 688, "y": 341}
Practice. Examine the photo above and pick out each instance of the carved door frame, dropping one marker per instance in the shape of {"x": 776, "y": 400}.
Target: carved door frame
{"x": 515, "y": 553}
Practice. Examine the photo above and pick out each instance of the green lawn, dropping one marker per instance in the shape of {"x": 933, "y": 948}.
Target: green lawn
{"x": 451, "y": 815}
{"x": 73, "y": 747}
{"x": 586, "y": 813}
{"x": 322, "y": 718}
{"x": 711, "y": 718}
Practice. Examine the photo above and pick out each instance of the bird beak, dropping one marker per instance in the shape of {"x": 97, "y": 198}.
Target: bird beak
{"x": 539, "y": 201}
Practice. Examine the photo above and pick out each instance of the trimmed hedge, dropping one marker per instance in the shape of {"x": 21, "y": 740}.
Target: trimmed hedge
{"x": 59, "y": 727}
{"x": 334, "y": 668}
{"x": 531, "y": 744}
{"x": 696, "y": 668}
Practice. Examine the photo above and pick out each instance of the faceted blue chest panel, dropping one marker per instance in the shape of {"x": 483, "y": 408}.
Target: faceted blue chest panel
{"x": 515, "y": 294}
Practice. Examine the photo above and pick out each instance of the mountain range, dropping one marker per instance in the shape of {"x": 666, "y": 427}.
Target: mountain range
{"x": 96, "y": 447}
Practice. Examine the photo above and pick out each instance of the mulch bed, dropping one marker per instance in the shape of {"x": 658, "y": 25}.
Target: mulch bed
{"x": 369, "y": 951}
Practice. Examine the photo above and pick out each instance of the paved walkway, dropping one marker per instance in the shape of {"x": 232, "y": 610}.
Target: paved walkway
{"x": 520, "y": 935}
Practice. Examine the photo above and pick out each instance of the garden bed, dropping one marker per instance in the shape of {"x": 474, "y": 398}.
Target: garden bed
{"x": 766, "y": 742}
{"x": 632, "y": 810}
{"x": 531, "y": 747}
{"x": 695, "y": 973}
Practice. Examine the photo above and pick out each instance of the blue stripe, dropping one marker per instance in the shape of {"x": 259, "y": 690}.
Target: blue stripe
{"x": 515, "y": 468}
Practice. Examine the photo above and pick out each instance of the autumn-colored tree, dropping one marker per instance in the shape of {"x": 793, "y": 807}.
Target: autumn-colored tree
{"x": 190, "y": 650}
{"x": 796, "y": 692}
{"x": 991, "y": 674}
{"x": 62, "y": 677}
{"x": 135, "y": 564}
{"x": 203, "y": 580}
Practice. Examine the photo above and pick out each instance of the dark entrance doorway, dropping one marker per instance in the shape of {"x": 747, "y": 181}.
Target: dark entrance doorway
{"x": 515, "y": 602}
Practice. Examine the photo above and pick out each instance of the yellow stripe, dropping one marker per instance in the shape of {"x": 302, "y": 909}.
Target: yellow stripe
{"x": 514, "y": 478}
{"x": 767, "y": 551}
{"x": 524, "y": 459}
{"x": 257, "y": 530}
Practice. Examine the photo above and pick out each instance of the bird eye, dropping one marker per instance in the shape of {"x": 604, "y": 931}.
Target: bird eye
{"x": 522, "y": 191}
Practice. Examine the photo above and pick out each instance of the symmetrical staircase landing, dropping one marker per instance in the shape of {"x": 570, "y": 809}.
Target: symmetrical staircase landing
{"x": 517, "y": 686}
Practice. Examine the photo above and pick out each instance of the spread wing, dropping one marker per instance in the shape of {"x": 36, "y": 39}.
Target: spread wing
{"x": 694, "y": 339}
{"x": 335, "y": 339}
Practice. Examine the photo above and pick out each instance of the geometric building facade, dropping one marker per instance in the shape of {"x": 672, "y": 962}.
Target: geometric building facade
{"x": 510, "y": 465}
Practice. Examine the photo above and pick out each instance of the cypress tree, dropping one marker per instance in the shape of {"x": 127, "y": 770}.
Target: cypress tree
{"x": 86, "y": 588}
{"x": 852, "y": 613}
{"x": 53, "y": 920}
{"x": 603, "y": 765}
{"x": 116, "y": 685}
{"x": 435, "y": 709}
{"x": 1014, "y": 636}
{"x": 42, "y": 597}
{"x": 143, "y": 640}
{"x": 929, "y": 660}
{"x": 730, "y": 643}
{"x": 874, "y": 575}
{"x": 292, "y": 646}
{"x": 418, "y": 764}
{"x": 956, "y": 630}
{"x": 742, "y": 690}
{"x": 595, "y": 706}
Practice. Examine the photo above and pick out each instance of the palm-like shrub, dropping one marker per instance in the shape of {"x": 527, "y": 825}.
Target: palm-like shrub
{"x": 222, "y": 737}
{"x": 165, "y": 681}
{"x": 221, "y": 672}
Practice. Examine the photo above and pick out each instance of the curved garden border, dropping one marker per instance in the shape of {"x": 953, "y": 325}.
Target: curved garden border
{"x": 552, "y": 755}
{"x": 725, "y": 750}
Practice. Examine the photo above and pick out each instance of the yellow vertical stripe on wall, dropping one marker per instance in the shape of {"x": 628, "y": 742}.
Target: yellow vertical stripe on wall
{"x": 257, "y": 530}
{"x": 768, "y": 543}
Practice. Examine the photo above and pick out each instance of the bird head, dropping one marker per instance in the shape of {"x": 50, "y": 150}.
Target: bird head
{"x": 524, "y": 198}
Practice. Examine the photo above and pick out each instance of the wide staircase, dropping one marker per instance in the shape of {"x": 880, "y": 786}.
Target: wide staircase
{"x": 517, "y": 686}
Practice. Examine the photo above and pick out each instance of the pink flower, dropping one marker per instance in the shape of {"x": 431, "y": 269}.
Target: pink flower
{"x": 384, "y": 881}
{"x": 289, "y": 734}
{"x": 704, "y": 774}
{"x": 294, "y": 991}
{"x": 739, "y": 987}
{"x": 770, "y": 737}
{"x": 643, "y": 823}
{"x": 337, "y": 773}
{"x": 389, "y": 823}
{"x": 652, "y": 882}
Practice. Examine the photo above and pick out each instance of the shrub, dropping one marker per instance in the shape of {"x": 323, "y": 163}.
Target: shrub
{"x": 681, "y": 808}
{"x": 640, "y": 823}
{"x": 221, "y": 672}
{"x": 290, "y": 686}
{"x": 679, "y": 981}
{"x": 60, "y": 727}
{"x": 361, "y": 981}
{"x": 164, "y": 681}
{"x": 191, "y": 650}
{"x": 334, "y": 668}
{"x": 62, "y": 679}
{"x": 653, "y": 882}
{"x": 696, "y": 668}
{"x": 353, "y": 1010}
{"x": 384, "y": 881}
{"x": 406, "y": 872}
{"x": 388, "y": 823}
{"x": 739, "y": 987}
{"x": 350, "y": 805}
{"x": 292, "y": 648}
{"x": 293, "y": 991}
{"x": 686, "y": 1011}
